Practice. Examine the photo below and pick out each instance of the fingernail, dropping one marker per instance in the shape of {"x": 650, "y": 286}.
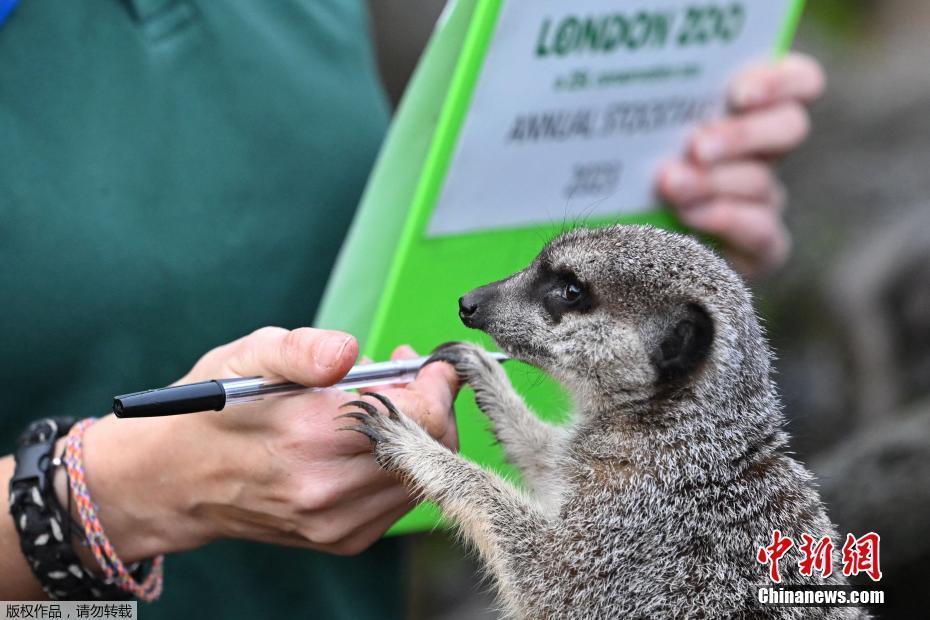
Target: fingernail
{"x": 406, "y": 350}
{"x": 710, "y": 147}
{"x": 331, "y": 350}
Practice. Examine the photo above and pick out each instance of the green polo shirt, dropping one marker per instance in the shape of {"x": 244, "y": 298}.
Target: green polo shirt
{"x": 173, "y": 175}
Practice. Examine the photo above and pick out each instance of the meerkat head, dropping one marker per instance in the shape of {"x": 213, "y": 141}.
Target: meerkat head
{"x": 627, "y": 311}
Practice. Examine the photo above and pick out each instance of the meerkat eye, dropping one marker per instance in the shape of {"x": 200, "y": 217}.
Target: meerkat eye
{"x": 561, "y": 292}
{"x": 571, "y": 292}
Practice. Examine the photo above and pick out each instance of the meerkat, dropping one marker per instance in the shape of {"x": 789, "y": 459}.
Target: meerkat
{"x": 654, "y": 500}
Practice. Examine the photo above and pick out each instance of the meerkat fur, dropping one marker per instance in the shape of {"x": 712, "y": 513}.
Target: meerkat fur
{"x": 653, "y": 501}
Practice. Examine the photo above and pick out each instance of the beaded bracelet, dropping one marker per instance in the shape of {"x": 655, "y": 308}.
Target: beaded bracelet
{"x": 150, "y": 587}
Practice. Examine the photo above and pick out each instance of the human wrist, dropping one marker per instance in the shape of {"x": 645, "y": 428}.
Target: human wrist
{"x": 46, "y": 532}
{"x": 62, "y": 494}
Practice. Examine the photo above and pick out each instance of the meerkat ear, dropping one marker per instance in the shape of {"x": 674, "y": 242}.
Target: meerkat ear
{"x": 685, "y": 345}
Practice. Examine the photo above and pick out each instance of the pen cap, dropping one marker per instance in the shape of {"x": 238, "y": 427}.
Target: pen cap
{"x": 204, "y": 396}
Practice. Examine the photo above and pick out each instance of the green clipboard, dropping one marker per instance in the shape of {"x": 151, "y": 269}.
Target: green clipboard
{"x": 394, "y": 283}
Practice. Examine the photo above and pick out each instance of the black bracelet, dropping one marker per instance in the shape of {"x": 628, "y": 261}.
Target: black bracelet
{"x": 45, "y": 529}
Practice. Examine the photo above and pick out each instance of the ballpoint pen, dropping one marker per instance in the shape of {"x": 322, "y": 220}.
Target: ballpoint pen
{"x": 216, "y": 394}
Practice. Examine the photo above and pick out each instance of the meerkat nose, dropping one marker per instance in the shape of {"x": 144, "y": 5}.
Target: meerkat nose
{"x": 474, "y": 306}
{"x": 467, "y": 307}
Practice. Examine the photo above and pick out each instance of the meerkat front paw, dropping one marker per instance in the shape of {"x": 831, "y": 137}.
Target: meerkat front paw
{"x": 476, "y": 368}
{"x": 392, "y": 436}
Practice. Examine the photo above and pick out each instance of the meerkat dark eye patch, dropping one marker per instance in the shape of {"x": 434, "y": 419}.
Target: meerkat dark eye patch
{"x": 684, "y": 345}
{"x": 560, "y": 292}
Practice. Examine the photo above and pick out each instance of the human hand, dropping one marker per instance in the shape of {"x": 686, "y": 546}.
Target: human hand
{"x": 274, "y": 470}
{"x": 726, "y": 186}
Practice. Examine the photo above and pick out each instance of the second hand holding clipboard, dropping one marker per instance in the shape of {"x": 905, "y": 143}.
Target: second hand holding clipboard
{"x": 216, "y": 394}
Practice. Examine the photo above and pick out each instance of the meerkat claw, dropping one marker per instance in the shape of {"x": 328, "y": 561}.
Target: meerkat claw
{"x": 355, "y": 415}
{"x": 374, "y": 436}
{"x": 361, "y": 404}
{"x": 393, "y": 413}
{"x": 446, "y": 352}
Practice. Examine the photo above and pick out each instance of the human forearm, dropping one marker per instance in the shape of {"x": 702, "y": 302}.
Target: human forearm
{"x": 16, "y": 579}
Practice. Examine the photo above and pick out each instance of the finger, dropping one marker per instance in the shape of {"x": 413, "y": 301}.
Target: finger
{"x": 764, "y": 132}
{"x": 326, "y": 516}
{"x": 311, "y": 357}
{"x": 754, "y": 237}
{"x": 371, "y": 531}
{"x": 342, "y": 532}
{"x": 403, "y": 352}
{"x": 682, "y": 184}
{"x": 364, "y": 537}
{"x": 796, "y": 76}
{"x": 450, "y": 438}
{"x": 435, "y": 389}
{"x": 334, "y": 526}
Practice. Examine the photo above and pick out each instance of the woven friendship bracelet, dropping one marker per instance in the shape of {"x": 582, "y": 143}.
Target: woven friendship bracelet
{"x": 150, "y": 587}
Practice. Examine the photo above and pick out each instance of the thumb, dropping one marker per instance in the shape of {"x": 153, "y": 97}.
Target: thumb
{"x": 311, "y": 357}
